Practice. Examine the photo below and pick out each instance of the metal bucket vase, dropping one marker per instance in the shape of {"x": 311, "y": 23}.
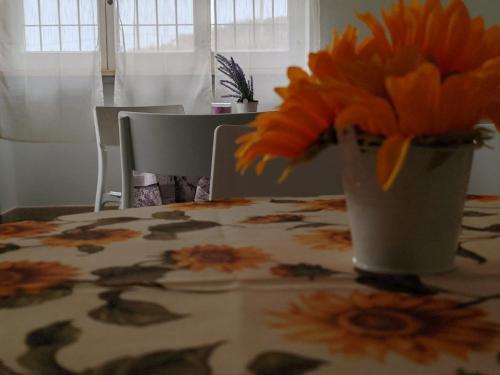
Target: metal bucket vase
{"x": 413, "y": 228}
{"x": 246, "y": 106}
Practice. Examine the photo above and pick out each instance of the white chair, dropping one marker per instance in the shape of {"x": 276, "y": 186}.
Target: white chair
{"x": 107, "y": 136}
{"x": 319, "y": 176}
{"x": 178, "y": 145}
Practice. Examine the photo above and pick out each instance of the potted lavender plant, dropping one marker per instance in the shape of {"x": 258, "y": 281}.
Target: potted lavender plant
{"x": 237, "y": 84}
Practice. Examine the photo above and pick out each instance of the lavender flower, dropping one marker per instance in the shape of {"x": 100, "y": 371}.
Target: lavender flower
{"x": 238, "y": 85}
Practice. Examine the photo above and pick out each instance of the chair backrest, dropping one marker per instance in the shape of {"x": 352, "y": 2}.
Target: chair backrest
{"x": 169, "y": 144}
{"x": 106, "y": 120}
{"x": 320, "y": 176}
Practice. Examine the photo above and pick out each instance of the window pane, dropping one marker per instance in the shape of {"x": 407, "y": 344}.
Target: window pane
{"x": 167, "y": 37}
{"x": 280, "y": 10}
{"x": 69, "y": 12}
{"x": 281, "y": 36}
{"x": 50, "y": 38}
{"x": 31, "y": 12}
{"x": 166, "y": 12}
{"x": 225, "y": 11}
{"x": 49, "y": 12}
{"x": 185, "y": 12}
{"x": 244, "y": 37}
{"x": 32, "y": 38}
{"x": 127, "y": 12}
{"x": 127, "y": 38}
{"x": 147, "y": 37}
{"x": 69, "y": 38}
{"x": 225, "y": 37}
{"x": 147, "y": 12}
{"x": 263, "y": 36}
{"x": 88, "y": 12}
{"x": 186, "y": 37}
{"x": 263, "y": 10}
{"x": 244, "y": 11}
{"x": 89, "y": 38}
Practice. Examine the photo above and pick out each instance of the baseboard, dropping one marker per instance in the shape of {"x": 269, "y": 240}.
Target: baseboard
{"x": 42, "y": 213}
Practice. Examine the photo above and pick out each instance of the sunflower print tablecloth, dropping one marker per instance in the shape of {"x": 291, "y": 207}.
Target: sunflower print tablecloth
{"x": 247, "y": 286}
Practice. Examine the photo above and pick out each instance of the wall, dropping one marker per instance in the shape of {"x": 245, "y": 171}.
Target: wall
{"x": 337, "y": 14}
{"x": 65, "y": 174}
{"x": 8, "y": 198}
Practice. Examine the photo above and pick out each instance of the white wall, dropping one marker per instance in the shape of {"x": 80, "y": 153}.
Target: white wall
{"x": 337, "y": 14}
{"x": 65, "y": 174}
{"x": 8, "y": 198}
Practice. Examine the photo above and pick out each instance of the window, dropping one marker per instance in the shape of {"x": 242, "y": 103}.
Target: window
{"x": 161, "y": 25}
{"x": 60, "y": 25}
{"x": 249, "y": 24}
{"x": 154, "y": 26}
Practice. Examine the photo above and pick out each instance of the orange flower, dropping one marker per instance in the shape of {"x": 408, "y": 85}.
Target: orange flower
{"x": 448, "y": 36}
{"x": 420, "y": 329}
{"x": 229, "y": 203}
{"x": 219, "y": 257}
{"x": 325, "y": 239}
{"x": 32, "y": 277}
{"x": 431, "y": 71}
{"x": 81, "y": 237}
{"x": 302, "y": 119}
{"x": 25, "y": 229}
{"x": 421, "y": 104}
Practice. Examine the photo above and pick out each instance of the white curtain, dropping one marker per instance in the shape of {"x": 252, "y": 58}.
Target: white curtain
{"x": 163, "y": 53}
{"x": 165, "y": 48}
{"x": 50, "y": 75}
{"x": 268, "y": 36}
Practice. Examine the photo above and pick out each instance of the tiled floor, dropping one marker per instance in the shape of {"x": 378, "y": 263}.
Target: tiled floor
{"x": 43, "y": 213}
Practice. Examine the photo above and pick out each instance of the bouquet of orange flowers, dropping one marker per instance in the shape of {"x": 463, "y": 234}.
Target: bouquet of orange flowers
{"x": 426, "y": 71}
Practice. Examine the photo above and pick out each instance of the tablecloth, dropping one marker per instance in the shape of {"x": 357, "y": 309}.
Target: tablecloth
{"x": 246, "y": 286}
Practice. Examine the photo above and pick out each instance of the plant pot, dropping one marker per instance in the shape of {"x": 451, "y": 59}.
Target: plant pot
{"x": 413, "y": 228}
{"x": 245, "y": 107}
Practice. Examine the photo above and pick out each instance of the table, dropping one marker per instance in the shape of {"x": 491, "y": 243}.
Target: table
{"x": 247, "y": 286}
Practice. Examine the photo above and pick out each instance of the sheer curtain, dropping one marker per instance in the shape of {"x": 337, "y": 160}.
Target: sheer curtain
{"x": 165, "y": 48}
{"x": 163, "y": 53}
{"x": 265, "y": 37}
{"x": 50, "y": 75}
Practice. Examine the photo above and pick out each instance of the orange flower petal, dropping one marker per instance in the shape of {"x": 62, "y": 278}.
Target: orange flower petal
{"x": 416, "y": 99}
{"x": 391, "y": 158}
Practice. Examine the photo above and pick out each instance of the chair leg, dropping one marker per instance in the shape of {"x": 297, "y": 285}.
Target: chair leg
{"x": 101, "y": 170}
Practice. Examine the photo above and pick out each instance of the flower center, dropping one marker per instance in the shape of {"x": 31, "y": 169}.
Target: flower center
{"x": 379, "y": 322}
{"x": 10, "y": 277}
{"x": 216, "y": 256}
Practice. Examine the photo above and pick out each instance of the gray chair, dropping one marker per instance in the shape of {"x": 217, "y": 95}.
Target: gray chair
{"x": 178, "y": 145}
{"x": 107, "y": 137}
{"x": 320, "y": 176}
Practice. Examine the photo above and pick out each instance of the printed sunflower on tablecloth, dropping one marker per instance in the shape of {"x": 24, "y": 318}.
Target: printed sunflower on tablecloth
{"x": 23, "y": 229}
{"x": 221, "y": 258}
{"x": 324, "y": 205}
{"x": 223, "y": 204}
{"x": 420, "y": 329}
{"x": 325, "y": 239}
{"x": 94, "y": 236}
{"x": 32, "y": 282}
